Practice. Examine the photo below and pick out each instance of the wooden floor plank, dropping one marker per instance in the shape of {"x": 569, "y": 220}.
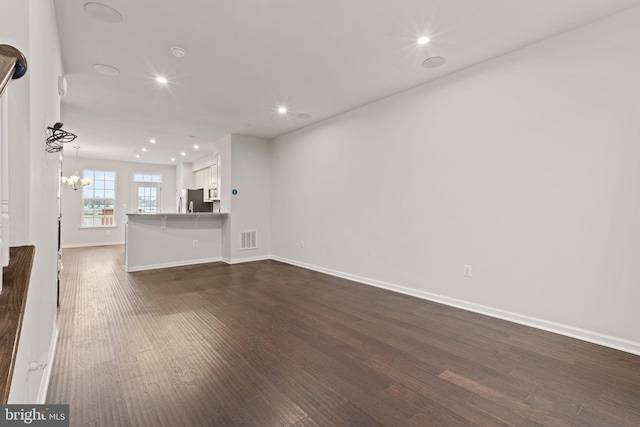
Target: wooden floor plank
{"x": 266, "y": 343}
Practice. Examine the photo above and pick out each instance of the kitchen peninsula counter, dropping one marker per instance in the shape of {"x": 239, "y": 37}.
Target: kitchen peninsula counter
{"x": 178, "y": 214}
{"x": 172, "y": 239}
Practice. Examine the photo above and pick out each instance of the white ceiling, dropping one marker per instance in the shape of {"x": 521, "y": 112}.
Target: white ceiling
{"x": 247, "y": 57}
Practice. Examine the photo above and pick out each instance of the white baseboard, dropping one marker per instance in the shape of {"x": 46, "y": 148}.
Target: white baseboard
{"x": 248, "y": 259}
{"x": 171, "y": 264}
{"x": 88, "y": 245}
{"x": 558, "y": 328}
{"x": 46, "y": 375}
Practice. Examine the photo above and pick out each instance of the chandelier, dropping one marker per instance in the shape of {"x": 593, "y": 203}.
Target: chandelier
{"x": 74, "y": 181}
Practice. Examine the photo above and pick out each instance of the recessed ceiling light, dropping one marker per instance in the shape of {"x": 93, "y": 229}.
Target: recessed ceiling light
{"x": 433, "y": 62}
{"x": 423, "y": 40}
{"x": 153, "y": 141}
{"x": 137, "y": 155}
{"x": 144, "y": 149}
{"x": 103, "y": 12}
{"x": 196, "y": 146}
{"x": 282, "y": 110}
{"x": 304, "y": 116}
{"x": 178, "y": 51}
{"x": 106, "y": 69}
{"x": 161, "y": 80}
{"x": 173, "y": 159}
{"x": 183, "y": 154}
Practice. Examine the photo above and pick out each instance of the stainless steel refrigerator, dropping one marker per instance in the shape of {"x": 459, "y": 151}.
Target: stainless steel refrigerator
{"x": 193, "y": 199}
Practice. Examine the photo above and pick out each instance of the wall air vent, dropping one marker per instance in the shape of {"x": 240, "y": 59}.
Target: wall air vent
{"x": 248, "y": 239}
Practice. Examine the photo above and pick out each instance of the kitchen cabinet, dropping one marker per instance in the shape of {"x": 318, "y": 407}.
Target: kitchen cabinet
{"x": 200, "y": 178}
{"x": 209, "y": 180}
{"x": 213, "y": 175}
{"x": 203, "y": 178}
{"x": 206, "y": 178}
{"x": 212, "y": 181}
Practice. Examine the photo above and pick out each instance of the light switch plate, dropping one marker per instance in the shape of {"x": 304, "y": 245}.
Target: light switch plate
{"x": 467, "y": 270}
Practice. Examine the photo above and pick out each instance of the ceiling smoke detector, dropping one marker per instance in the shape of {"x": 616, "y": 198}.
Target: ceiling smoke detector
{"x": 178, "y": 51}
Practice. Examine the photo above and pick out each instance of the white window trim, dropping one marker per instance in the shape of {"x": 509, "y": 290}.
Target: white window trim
{"x": 115, "y": 203}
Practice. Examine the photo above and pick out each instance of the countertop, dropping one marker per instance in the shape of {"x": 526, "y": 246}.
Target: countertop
{"x": 175, "y": 214}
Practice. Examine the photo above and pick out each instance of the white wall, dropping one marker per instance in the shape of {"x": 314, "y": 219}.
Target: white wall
{"x": 223, "y": 147}
{"x": 203, "y": 162}
{"x": 525, "y": 167}
{"x": 183, "y": 175}
{"x": 33, "y": 105}
{"x": 188, "y": 177}
{"x": 251, "y": 206}
{"x": 72, "y": 234}
{"x": 14, "y": 22}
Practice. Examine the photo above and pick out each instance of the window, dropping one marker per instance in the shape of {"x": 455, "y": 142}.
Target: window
{"x": 147, "y": 191}
{"x": 99, "y": 199}
{"x": 140, "y": 177}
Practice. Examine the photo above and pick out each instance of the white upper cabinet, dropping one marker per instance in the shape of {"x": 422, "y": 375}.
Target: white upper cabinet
{"x": 209, "y": 180}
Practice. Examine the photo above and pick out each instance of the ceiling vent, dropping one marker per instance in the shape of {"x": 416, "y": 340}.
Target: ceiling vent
{"x": 248, "y": 239}
{"x": 103, "y": 13}
{"x": 178, "y": 52}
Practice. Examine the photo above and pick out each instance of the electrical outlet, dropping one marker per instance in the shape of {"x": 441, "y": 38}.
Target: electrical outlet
{"x": 467, "y": 270}
{"x": 302, "y": 243}
{"x": 195, "y": 243}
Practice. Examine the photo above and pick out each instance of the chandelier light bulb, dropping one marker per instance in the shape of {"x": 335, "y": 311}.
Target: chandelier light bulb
{"x": 74, "y": 181}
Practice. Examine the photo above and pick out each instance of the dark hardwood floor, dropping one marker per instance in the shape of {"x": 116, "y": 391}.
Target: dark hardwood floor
{"x": 269, "y": 344}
